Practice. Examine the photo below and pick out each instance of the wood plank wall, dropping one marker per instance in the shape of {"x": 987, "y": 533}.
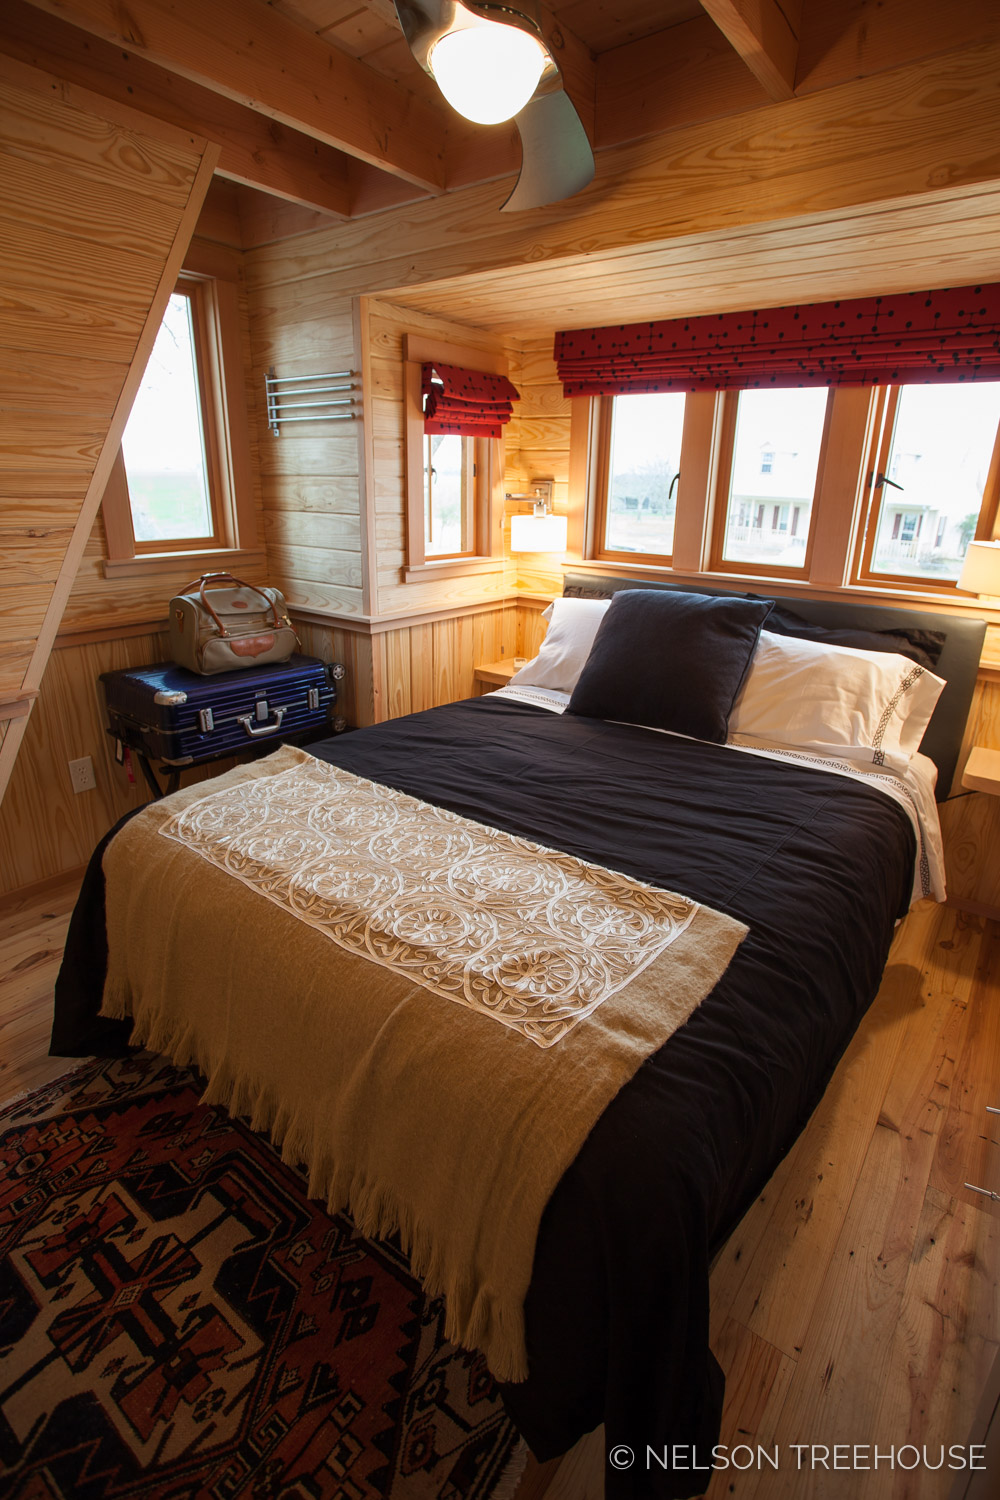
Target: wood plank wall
{"x": 97, "y": 203}
{"x": 385, "y": 328}
{"x": 45, "y": 827}
{"x": 310, "y": 475}
{"x": 542, "y": 423}
{"x": 97, "y": 602}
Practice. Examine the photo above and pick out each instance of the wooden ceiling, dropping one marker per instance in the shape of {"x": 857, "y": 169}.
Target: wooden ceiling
{"x": 320, "y": 103}
{"x": 319, "y": 108}
{"x": 947, "y": 238}
{"x": 370, "y": 32}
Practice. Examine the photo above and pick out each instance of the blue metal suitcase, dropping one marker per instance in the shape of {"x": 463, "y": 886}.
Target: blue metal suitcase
{"x": 170, "y": 714}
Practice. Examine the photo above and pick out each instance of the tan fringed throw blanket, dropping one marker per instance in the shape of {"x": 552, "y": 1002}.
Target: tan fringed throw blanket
{"x": 429, "y": 1013}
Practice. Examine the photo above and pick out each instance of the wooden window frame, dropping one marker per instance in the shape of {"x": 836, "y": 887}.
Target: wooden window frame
{"x": 217, "y": 328}
{"x": 727, "y": 453}
{"x": 486, "y": 555}
{"x": 853, "y": 431}
{"x": 885, "y": 405}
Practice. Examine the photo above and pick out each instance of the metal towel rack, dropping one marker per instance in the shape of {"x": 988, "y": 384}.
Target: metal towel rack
{"x": 322, "y": 395}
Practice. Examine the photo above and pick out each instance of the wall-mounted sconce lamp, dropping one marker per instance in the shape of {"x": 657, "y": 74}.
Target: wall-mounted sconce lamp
{"x": 542, "y": 531}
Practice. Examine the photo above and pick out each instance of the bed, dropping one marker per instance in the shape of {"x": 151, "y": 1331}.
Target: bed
{"x": 817, "y": 863}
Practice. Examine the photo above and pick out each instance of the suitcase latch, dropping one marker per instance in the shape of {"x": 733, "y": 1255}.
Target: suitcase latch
{"x": 314, "y": 697}
{"x": 206, "y": 720}
{"x": 261, "y": 710}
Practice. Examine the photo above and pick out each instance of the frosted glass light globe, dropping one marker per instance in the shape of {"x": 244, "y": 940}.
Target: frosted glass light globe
{"x": 487, "y": 72}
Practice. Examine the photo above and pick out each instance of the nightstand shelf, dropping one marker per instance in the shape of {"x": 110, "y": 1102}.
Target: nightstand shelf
{"x": 982, "y": 771}
{"x": 494, "y": 674}
{"x": 973, "y": 872}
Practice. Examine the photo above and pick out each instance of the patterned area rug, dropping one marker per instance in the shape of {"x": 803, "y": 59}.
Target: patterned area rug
{"x": 178, "y": 1319}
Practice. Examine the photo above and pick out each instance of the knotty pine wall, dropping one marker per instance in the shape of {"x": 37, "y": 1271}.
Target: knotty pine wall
{"x": 45, "y": 827}
{"x": 383, "y": 329}
{"x": 542, "y": 423}
{"x": 99, "y": 603}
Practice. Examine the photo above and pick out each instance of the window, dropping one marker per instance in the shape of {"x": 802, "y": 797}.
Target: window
{"x": 640, "y": 445}
{"x": 867, "y": 487}
{"x": 771, "y": 447}
{"x": 454, "y": 491}
{"x": 449, "y": 495}
{"x": 173, "y": 488}
{"x": 929, "y": 488}
{"x": 182, "y": 482}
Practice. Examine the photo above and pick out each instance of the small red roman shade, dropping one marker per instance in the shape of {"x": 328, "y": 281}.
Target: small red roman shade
{"x": 916, "y": 337}
{"x": 468, "y": 402}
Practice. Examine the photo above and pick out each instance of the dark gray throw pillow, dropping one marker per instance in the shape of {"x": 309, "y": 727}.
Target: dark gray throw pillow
{"x": 670, "y": 661}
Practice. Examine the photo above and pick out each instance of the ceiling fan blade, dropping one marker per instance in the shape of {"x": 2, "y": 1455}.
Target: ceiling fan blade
{"x": 556, "y": 157}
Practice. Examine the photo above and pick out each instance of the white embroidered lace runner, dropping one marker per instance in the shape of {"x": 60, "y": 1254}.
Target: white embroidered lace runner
{"x": 531, "y": 937}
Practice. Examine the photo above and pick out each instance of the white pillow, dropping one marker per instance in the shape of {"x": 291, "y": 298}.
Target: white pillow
{"x": 573, "y": 624}
{"x": 812, "y": 696}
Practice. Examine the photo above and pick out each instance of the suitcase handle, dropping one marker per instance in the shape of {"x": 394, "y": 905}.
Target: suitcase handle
{"x": 256, "y": 734}
{"x": 214, "y": 579}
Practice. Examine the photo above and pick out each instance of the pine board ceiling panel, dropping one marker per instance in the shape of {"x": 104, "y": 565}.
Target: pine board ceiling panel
{"x": 363, "y": 29}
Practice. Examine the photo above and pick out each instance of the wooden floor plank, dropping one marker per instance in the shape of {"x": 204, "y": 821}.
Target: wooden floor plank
{"x": 32, "y": 934}
{"x": 829, "y": 1156}
{"x": 945, "y": 1340}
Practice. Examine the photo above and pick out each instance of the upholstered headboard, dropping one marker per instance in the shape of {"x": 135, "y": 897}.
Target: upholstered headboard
{"x": 958, "y": 663}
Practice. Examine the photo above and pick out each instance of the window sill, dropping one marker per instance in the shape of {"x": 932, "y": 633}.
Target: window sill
{"x": 215, "y": 561}
{"x": 877, "y": 594}
{"x": 452, "y": 567}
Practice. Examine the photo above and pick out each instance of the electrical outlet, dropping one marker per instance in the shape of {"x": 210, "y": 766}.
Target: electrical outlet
{"x": 81, "y": 774}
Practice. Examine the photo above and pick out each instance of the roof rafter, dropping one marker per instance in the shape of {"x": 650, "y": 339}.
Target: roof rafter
{"x": 765, "y": 34}
{"x": 254, "y": 150}
{"x": 248, "y": 52}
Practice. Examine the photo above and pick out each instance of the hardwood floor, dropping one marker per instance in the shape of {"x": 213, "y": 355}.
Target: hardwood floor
{"x": 857, "y": 1302}
{"x": 32, "y": 934}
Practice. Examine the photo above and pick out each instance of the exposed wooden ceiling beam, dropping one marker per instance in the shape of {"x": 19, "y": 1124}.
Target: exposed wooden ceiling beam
{"x": 765, "y": 34}
{"x": 248, "y": 52}
{"x": 255, "y": 151}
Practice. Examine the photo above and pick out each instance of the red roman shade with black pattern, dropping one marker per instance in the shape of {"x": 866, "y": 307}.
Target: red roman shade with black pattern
{"x": 470, "y": 403}
{"x": 916, "y": 337}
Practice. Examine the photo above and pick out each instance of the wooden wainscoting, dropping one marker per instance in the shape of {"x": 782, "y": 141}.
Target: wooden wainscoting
{"x": 45, "y": 827}
{"x": 420, "y": 666}
{"x": 353, "y": 649}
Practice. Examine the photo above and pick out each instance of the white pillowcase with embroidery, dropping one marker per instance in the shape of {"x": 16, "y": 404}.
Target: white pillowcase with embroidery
{"x": 573, "y": 624}
{"x": 870, "y": 706}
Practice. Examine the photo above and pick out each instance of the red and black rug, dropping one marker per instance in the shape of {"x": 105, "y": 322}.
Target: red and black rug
{"x": 178, "y": 1319}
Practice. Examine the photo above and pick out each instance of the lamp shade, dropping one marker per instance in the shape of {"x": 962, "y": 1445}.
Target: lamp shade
{"x": 487, "y": 72}
{"x": 981, "y": 570}
{"x": 546, "y": 533}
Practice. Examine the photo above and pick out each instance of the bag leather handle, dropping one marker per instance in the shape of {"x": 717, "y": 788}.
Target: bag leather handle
{"x": 214, "y": 579}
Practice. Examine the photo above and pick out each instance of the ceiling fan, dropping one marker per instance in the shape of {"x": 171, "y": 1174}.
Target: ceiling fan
{"x": 490, "y": 61}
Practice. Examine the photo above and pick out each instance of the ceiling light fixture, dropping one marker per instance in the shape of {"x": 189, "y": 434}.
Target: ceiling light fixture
{"x": 487, "y": 72}
{"x": 490, "y": 60}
